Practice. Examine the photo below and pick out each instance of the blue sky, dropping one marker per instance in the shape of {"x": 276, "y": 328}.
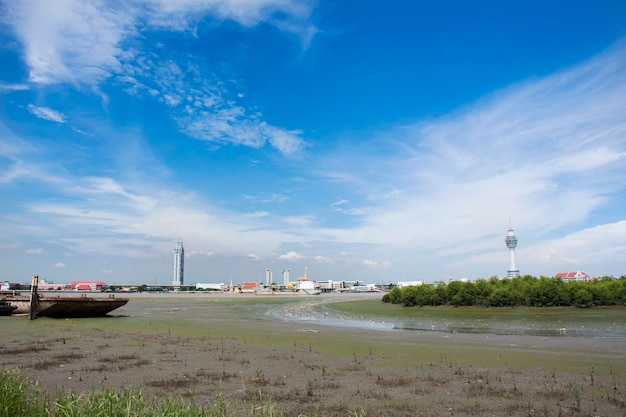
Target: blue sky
{"x": 379, "y": 141}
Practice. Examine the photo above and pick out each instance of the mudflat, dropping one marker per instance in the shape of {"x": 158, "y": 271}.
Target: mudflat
{"x": 299, "y": 354}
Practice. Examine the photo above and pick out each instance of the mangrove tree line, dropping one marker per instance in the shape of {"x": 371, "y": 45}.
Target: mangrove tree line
{"x": 526, "y": 291}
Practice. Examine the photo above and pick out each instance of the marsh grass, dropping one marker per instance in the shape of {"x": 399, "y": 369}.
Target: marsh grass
{"x": 21, "y": 398}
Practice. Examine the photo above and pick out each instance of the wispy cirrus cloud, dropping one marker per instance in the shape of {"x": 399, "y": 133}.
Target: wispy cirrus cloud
{"x": 204, "y": 106}
{"x": 34, "y": 251}
{"x": 84, "y": 43}
{"x": 47, "y": 113}
{"x": 267, "y": 198}
{"x": 286, "y": 15}
{"x": 97, "y": 215}
{"x": 544, "y": 154}
{"x": 13, "y": 87}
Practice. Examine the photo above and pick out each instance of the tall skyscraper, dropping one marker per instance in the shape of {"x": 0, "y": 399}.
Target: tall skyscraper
{"x": 179, "y": 265}
{"x": 511, "y": 243}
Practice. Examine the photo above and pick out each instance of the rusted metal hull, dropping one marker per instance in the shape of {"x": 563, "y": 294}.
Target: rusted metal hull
{"x": 6, "y": 309}
{"x": 66, "y": 307}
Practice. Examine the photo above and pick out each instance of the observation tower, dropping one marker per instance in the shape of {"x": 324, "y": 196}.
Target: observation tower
{"x": 511, "y": 243}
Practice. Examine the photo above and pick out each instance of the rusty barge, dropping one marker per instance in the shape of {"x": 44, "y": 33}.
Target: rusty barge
{"x": 64, "y": 306}
{"x": 38, "y": 305}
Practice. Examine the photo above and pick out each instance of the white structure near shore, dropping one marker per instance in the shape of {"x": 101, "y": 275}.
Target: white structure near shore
{"x": 210, "y": 286}
{"x": 511, "y": 243}
{"x": 410, "y": 283}
{"x": 179, "y": 265}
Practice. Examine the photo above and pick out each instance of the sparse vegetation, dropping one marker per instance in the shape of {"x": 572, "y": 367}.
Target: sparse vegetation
{"x": 21, "y": 398}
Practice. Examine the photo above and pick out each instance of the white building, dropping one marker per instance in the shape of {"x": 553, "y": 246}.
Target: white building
{"x": 403, "y": 284}
{"x": 210, "y": 286}
{"x": 578, "y": 276}
{"x": 179, "y": 265}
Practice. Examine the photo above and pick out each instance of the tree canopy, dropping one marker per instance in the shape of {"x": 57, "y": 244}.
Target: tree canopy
{"x": 525, "y": 291}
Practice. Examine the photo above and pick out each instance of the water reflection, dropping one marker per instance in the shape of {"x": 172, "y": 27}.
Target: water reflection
{"x": 504, "y": 329}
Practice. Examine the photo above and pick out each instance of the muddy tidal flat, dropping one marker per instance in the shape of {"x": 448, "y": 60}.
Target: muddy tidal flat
{"x": 334, "y": 355}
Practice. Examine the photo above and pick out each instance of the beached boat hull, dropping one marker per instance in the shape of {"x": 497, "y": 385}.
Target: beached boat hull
{"x": 6, "y": 309}
{"x": 66, "y": 307}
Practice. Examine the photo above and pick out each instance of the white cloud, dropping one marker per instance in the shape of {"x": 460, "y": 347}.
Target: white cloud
{"x": 287, "y": 15}
{"x": 233, "y": 125}
{"x": 258, "y": 214}
{"x": 34, "y": 251}
{"x": 82, "y": 43}
{"x": 291, "y": 256}
{"x": 374, "y": 264}
{"x": 299, "y": 220}
{"x": 287, "y": 142}
{"x": 58, "y": 265}
{"x": 267, "y": 198}
{"x": 195, "y": 253}
{"x": 323, "y": 259}
{"x": 70, "y": 41}
{"x": 47, "y": 113}
{"x": 13, "y": 87}
{"x": 254, "y": 257}
{"x": 591, "y": 246}
{"x": 341, "y": 207}
{"x": 103, "y": 185}
{"x": 544, "y": 154}
{"x": 97, "y": 215}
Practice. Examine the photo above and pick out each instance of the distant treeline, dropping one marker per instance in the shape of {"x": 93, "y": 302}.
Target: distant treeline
{"x": 526, "y": 291}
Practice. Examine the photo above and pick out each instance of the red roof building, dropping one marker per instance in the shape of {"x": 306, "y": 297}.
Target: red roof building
{"x": 573, "y": 276}
{"x": 88, "y": 285}
{"x": 249, "y": 287}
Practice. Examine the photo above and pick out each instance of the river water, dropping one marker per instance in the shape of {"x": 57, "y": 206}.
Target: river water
{"x": 600, "y": 322}
{"x": 330, "y": 310}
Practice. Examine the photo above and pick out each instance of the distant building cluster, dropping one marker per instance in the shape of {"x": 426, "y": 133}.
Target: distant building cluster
{"x": 44, "y": 285}
{"x": 302, "y": 284}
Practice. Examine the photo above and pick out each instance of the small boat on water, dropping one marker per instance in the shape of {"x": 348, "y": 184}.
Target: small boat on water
{"x": 64, "y": 306}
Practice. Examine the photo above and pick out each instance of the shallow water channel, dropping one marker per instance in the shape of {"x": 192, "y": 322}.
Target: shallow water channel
{"x": 571, "y": 322}
{"x": 366, "y": 311}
